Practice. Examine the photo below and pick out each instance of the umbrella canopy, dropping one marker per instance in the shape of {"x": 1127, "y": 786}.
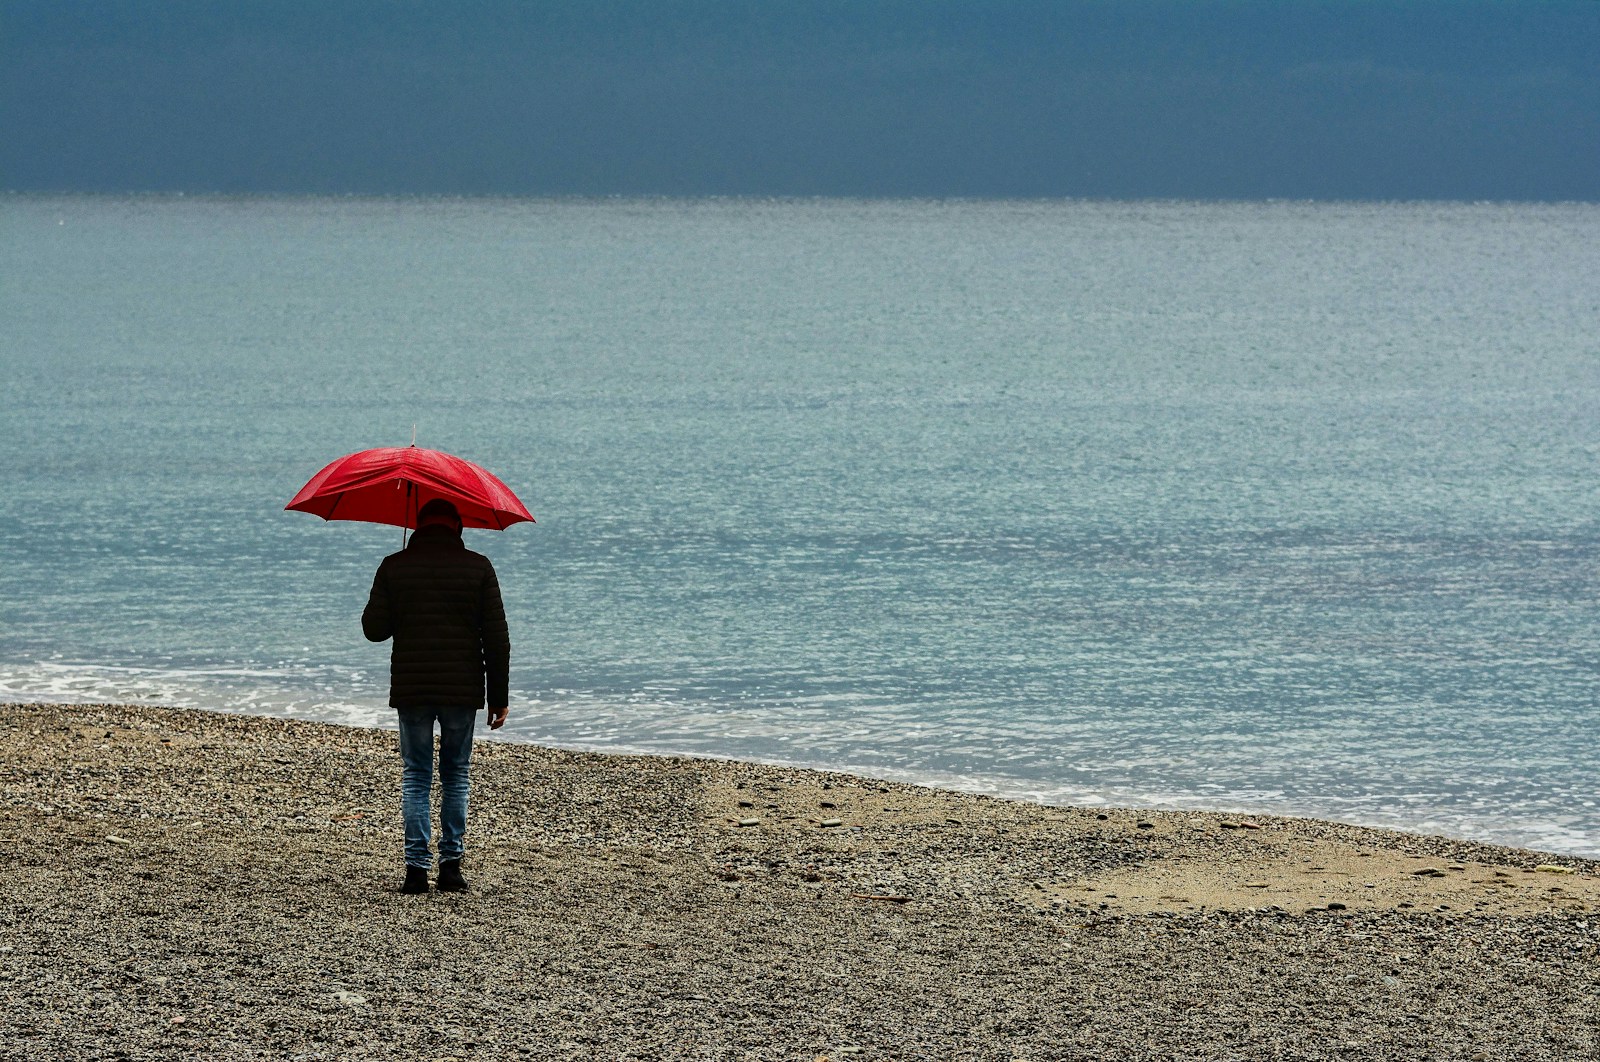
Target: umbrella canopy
{"x": 388, "y": 486}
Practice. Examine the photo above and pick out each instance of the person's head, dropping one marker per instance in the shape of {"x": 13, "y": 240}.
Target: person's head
{"x": 439, "y": 512}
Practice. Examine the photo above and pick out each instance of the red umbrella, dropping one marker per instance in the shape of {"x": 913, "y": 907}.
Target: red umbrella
{"x": 388, "y": 485}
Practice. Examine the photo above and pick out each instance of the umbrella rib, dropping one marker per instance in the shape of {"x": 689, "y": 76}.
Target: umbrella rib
{"x": 337, "y": 498}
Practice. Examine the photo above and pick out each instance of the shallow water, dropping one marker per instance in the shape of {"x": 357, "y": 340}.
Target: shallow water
{"x": 1271, "y": 506}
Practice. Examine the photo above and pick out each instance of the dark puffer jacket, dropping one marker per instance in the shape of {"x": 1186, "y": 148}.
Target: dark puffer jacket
{"x": 441, "y": 603}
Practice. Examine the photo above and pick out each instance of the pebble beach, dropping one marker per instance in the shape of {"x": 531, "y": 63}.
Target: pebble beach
{"x": 190, "y": 884}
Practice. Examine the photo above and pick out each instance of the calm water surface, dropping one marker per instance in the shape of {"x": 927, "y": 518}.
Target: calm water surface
{"x": 1273, "y": 506}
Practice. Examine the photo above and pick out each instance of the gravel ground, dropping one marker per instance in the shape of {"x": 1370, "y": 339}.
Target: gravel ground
{"x": 198, "y": 885}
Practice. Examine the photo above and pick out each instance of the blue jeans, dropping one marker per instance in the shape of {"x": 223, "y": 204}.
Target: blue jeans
{"x": 416, "y": 781}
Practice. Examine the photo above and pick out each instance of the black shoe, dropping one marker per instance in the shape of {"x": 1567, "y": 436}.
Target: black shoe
{"x": 450, "y": 879}
{"x": 416, "y": 880}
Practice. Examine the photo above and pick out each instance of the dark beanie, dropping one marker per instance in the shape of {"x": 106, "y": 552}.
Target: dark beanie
{"x": 438, "y": 511}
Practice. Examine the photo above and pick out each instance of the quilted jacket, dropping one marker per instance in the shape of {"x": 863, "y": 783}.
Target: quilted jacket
{"x": 440, "y": 602}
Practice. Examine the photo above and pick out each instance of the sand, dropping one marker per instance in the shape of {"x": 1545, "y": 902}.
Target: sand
{"x": 198, "y": 885}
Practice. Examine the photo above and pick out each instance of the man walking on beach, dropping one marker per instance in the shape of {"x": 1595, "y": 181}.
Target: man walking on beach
{"x": 441, "y": 603}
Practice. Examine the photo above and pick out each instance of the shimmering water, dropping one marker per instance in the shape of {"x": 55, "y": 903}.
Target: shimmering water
{"x": 1269, "y": 506}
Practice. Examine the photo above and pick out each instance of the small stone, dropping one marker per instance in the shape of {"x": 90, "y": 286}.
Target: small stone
{"x": 349, "y": 999}
{"x": 831, "y": 822}
{"x": 1255, "y": 884}
{"x": 829, "y": 804}
{"x": 116, "y": 840}
{"x": 1229, "y": 825}
{"x": 1551, "y": 868}
{"x": 747, "y": 803}
{"x": 1336, "y": 906}
{"x": 1249, "y": 826}
{"x": 1428, "y": 872}
{"x": 1146, "y": 825}
{"x": 749, "y": 822}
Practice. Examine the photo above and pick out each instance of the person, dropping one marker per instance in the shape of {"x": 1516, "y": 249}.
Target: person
{"x": 440, "y": 602}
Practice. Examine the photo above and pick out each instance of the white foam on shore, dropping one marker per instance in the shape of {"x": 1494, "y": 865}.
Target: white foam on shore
{"x": 239, "y": 690}
{"x": 642, "y": 724}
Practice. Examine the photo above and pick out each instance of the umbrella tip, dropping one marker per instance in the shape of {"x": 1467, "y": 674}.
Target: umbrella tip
{"x": 413, "y": 434}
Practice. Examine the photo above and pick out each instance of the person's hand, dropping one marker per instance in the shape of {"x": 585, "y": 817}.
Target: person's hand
{"x": 497, "y": 717}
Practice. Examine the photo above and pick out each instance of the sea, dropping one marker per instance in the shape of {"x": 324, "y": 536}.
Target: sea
{"x": 1267, "y": 507}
